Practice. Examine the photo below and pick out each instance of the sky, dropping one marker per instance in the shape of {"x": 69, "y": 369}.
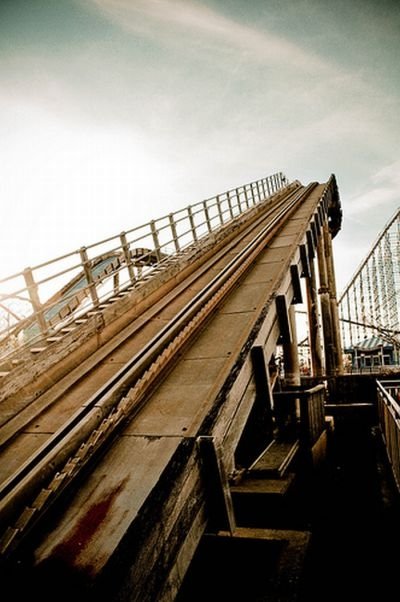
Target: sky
{"x": 114, "y": 112}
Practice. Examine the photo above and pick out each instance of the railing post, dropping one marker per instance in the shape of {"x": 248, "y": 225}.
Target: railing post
{"x": 268, "y": 185}
{"x": 116, "y": 283}
{"x": 89, "y": 276}
{"x": 156, "y": 241}
{"x": 127, "y": 255}
{"x": 174, "y": 232}
{"x": 228, "y": 196}
{"x": 207, "y": 216}
{"x": 35, "y": 301}
{"x": 252, "y": 193}
{"x": 238, "y": 200}
{"x": 221, "y": 217}
{"x": 246, "y": 196}
{"x": 192, "y": 224}
{"x": 263, "y": 187}
{"x": 260, "y": 196}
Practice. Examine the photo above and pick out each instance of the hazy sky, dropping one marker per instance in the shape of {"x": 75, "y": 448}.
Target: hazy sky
{"x": 113, "y": 112}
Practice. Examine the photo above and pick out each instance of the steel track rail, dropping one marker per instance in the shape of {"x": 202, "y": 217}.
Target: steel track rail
{"x": 7, "y": 431}
{"x": 70, "y": 450}
{"x": 117, "y": 378}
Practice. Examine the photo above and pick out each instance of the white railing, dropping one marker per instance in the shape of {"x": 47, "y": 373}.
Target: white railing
{"x": 38, "y": 301}
{"x": 389, "y": 419}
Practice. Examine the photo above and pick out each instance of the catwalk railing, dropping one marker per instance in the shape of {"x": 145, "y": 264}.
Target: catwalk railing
{"x": 311, "y": 419}
{"x": 39, "y": 301}
{"x": 389, "y": 419}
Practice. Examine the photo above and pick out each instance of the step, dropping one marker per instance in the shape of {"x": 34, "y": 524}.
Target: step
{"x": 67, "y": 329}
{"x": 249, "y": 564}
{"x": 37, "y": 349}
{"x": 54, "y": 339}
{"x": 275, "y": 459}
{"x": 4, "y": 373}
{"x": 258, "y": 486}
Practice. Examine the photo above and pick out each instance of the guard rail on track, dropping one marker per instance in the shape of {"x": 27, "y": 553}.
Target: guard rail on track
{"x": 51, "y": 469}
{"x": 40, "y": 300}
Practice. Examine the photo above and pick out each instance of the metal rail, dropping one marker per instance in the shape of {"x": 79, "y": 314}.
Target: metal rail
{"x": 15, "y": 423}
{"x": 388, "y": 392}
{"x": 70, "y": 449}
{"x": 84, "y": 279}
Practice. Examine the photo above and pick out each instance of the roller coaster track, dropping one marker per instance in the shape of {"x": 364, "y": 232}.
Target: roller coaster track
{"x": 46, "y": 473}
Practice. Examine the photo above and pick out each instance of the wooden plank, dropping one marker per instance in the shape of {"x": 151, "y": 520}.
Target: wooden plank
{"x": 261, "y": 375}
{"x": 258, "y": 486}
{"x": 219, "y": 495}
{"x": 297, "y": 294}
{"x": 310, "y": 244}
{"x": 283, "y": 318}
{"x": 305, "y": 265}
{"x": 275, "y": 459}
{"x": 276, "y": 579}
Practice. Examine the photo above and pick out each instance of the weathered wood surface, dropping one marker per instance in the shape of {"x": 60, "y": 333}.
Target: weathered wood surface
{"x": 131, "y": 528}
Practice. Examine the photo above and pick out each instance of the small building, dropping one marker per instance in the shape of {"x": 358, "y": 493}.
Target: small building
{"x": 371, "y": 352}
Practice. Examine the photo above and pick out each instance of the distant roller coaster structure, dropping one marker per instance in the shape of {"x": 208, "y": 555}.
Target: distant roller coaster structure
{"x": 369, "y": 307}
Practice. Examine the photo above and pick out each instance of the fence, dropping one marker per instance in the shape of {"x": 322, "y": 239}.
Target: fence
{"x": 389, "y": 419}
{"x": 40, "y": 300}
{"x": 311, "y": 419}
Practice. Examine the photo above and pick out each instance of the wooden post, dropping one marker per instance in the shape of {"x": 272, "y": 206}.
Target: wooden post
{"x": 263, "y": 187}
{"x": 174, "y": 233}
{"x": 221, "y": 216}
{"x": 127, "y": 255}
{"x": 252, "y": 194}
{"x": 192, "y": 224}
{"x": 333, "y": 299}
{"x": 288, "y": 338}
{"x": 329, "y": 349}
{"x": 35, "y": 301}
{"x": 116, "y": 283}
{"x": 228, "y": 196}
{"x": 260, "y": 196}
{"x": 263, "y": 383}
{"x": 156, "y": 241}
{"x": 89, "y": 276}
{"x": 290, "y": 354}
{"x": 221, "y": 513}
{"x": 207, "y": 216}
{"x": 313, "y": 321}
{"x": 246, "y": 196}
{"x": 238, "y": 200}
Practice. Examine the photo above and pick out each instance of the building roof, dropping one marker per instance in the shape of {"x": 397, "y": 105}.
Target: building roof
{"x": 371, "y": 344}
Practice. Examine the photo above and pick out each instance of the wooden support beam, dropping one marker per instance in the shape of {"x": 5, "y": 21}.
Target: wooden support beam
{"x": 314, "y": 232}
{"x": 221, "y": 513}
{"x": 310, "y": 245}
{"x": 262, "y": 379}
{"x": 283, "y": 319}
{"x": 297, "y": 294}
{"x": 290, "y": 353}
{"x": 305, "y": 265}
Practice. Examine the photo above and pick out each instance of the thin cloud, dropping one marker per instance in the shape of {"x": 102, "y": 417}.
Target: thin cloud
{"x": 384, "y": 190}
{"x": 161, "y": 17}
